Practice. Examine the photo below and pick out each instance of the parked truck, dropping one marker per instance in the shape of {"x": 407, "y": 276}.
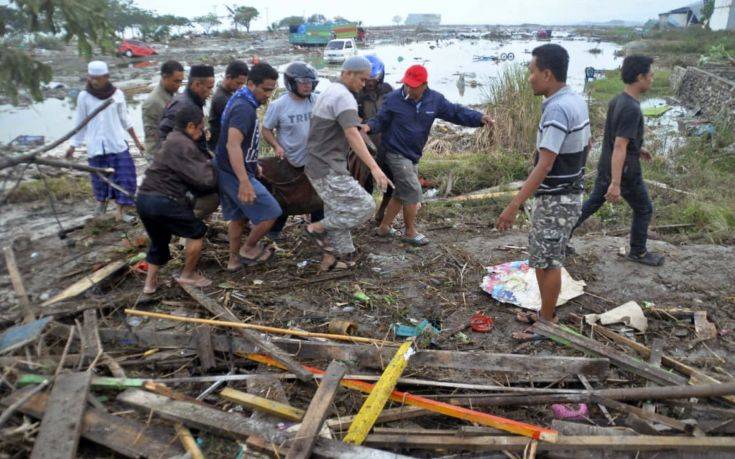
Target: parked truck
{"x": 310, "y": 34}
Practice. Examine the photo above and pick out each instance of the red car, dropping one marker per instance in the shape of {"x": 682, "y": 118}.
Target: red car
{"x": 135, "y": 48}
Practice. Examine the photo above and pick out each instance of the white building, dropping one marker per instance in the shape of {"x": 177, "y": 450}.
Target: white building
{"x": 723, "y": 18}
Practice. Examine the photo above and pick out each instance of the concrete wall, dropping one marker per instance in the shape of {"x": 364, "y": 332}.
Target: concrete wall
{"x": 697, "y": 88}
{"x": 723, "y": 18}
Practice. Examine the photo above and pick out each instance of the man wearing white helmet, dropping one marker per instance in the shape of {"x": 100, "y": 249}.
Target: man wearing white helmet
{"x": 286, "y": 125}
{"x": 105, "y": 137}
{"x": 333, "y": 131}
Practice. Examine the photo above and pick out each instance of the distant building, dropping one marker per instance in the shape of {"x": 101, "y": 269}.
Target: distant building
{"x": 723, "y": 17}
{"x": 682, "y": 17}
{"x": 423, "y": 19}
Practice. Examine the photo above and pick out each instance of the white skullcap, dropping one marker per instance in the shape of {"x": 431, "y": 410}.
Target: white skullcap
{"x": 357, "y": 64}
{"x": 97, "y": 68}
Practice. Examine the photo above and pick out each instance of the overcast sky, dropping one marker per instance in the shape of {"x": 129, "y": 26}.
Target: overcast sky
{"x": 381, "y": 12}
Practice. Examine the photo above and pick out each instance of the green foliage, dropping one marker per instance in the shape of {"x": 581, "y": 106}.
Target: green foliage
{"x": 290, "y": 21}
{"x": 208, "y": 22}
{"x": 689, "y": 41}
{"x": 474, "y": 171}
{"x": 49, "y": 42}
{"x": 317, "y": 18}
{"x": 707, "y": 9}
{"x": 243, "y": 15}
{"x": 397, "y": 20}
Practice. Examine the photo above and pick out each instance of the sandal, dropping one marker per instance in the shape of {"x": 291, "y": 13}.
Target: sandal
{"x": 417, "y": 241}
{"x": 199, "y": 283}
{"x": 531, "y": 317}
{"x": 527, "y": 335}
{"x": 392, "y": 232}
{"x": 320, "y": 239}
{"x": 341, "y": 263}
{"x": 257, "y": 260}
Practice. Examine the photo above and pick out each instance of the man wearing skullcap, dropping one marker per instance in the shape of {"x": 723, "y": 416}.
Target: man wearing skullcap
{"x": 106, "y": 140}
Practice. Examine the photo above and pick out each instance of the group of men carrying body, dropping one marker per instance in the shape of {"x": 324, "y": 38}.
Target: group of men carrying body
{"x": 195, "y": 170}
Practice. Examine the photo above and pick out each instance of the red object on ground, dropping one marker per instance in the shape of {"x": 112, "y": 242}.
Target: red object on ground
{"x": 481, "y": 323}
{"x": 142, "y": 266}
{"x": 135, "y": 48}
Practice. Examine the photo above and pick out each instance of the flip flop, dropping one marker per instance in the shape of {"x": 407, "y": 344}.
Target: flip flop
{"x": 528, "y": 336}
{"x": 257, "y": 260}
{"x": 320, "y": 239}
{"x": 417, "y": 241}
{"x": 201, "y": 283}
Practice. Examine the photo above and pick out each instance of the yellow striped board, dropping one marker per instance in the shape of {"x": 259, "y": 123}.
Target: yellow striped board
{"x": 254, "y": 402}
{"x": 374, "y": 404}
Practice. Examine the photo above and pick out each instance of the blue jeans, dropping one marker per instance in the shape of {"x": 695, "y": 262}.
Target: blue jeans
{"x": 633, "y": 190}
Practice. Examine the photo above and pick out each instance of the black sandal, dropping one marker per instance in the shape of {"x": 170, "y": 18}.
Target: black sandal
{"x": 320, "y": 239}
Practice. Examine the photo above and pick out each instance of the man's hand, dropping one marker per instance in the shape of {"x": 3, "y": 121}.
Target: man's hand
{"x": 259, "y": 171}
{"x": 280, "y": 152}
{"x": 70, "y": 152}
{"x": 207, "y": 134}
{"x": 140, "y": 146}
{"x": 613, "y": 193}
{"x": 381, "y": 180}
{"x": 364, "y": 128}
{"x": 246, "y": 193}
{"x": 488, "y": 121}
{"x": 646, "y": 155}
{"x": 506, "y": 219}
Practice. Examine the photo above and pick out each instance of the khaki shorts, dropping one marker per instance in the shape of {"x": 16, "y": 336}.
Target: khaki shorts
{"x": 405, "y": 178}
{"x": 552, "y": 221}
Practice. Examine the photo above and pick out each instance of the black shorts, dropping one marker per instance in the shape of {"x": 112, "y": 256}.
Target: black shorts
{"x": 163, "y": 218}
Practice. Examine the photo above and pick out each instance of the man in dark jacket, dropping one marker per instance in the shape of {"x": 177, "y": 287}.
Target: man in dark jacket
{"x": 162, "y": 202}
{"x": 236, "y": 76}
{"x": 405, "y": 121}
{"x": 198, "y": 90}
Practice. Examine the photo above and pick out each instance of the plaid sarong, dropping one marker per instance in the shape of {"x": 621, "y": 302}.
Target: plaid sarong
{"x": 124, "y": 176}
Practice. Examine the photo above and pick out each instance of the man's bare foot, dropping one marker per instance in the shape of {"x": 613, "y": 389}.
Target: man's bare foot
{"x": 150, "y": 289}
{"x": 233, "y": 263}
{"x": 195, "y": 280}
{"x": 332, "y": 263}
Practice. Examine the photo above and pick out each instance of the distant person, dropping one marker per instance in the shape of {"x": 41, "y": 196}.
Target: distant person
{"x": 162, "y": 201}
{"x": 236, "y": 75}
{"x": 369, "y": 101}
{"x": 333, "y": 131}
{"x": 286, "y": 125}
{"x": 619, "y": 172}
{"x": 172, "y": 75}
{"x": 405, "y": 120}
{"x": 198, "y": 90}
{"x": 243, "y": 196}
{"x": 105, "y": 137}
{"x": 557, "y": 179}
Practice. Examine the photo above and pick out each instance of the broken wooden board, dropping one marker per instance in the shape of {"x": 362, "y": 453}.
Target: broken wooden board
{"x": 17, "y": 280}
{"x": 205, "y": 352}
{"x": 85, "y": 283}
{"x": 236, "y": 426}
{"x": 583, "y": 442}
{"x": 650, "y": 372}
{"x": 61, "y": 426}
{"x": 253, "y": 338}
{"x": 253, "y": 402}
{"x": 18, "y": 336}
{"x": 389, "y": 415}
{"x": 508, "y": 425}
{"x": 381, "y": 392}
{"x": 645, "y": 415}
{"x": 91, "y": 345}
{"x": 307, "y": 434}
{"x": 521, "y": 367}
{"x": 123, "y": 436}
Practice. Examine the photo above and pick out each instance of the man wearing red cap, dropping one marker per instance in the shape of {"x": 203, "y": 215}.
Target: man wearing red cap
{"x": 405, "y": 121}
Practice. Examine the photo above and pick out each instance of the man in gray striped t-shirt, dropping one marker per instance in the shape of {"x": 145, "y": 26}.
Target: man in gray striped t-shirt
{"x": 562, "y": 144}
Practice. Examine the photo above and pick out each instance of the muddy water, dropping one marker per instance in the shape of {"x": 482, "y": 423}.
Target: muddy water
{"x": 452, "y": 67}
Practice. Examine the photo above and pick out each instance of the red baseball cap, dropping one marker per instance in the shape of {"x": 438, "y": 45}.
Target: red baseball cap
{"x": 415, "y": 76}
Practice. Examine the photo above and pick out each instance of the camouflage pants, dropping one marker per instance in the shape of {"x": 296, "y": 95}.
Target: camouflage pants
{"x": 346, "y": 205}
{"x": 552, "y": 221}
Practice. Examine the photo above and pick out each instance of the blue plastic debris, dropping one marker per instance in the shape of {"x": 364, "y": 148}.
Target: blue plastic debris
{"x": 405, "y": 331}
{"x": 20, "y": 335}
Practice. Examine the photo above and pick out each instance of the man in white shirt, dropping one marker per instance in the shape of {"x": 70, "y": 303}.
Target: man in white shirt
{"x": 106, "y": 140}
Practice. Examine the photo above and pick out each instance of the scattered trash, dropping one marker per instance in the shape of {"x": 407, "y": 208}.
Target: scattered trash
{"x": 25, "y": 141}
{"x": 569, "y": 412}
{"x": 481, "y": 323}
{"x": 342, "y": 327}
{"x": 361, "y": 296}
{"x": 629, "y": 313}
{"x": 302, "y": 264}
{"x": 515, "y": 283}
{"x": 703, "y": 327}
{"x": 407, "y": 331}
{"x": 656, "y": 111}
{"x": 258, "y": 282}
{"x": 20, "y": 335}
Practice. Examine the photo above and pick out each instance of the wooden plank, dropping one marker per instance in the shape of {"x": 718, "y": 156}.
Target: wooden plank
{"x": 390, "y": 415}
{"x": 269, "y": 348}
{"x": 254, "y": 402}
{"x": 508, "y": 425}
{"x": 657, "y": 349}
{"x": 582, "y": 442}
{"x": 645, "y": 415}
{"x": 520, "y": 366}
{"x": 90, "y": 338}
{"x": 205, "y": 352}
{"x": 269, "y": 387}
{"x": 86, "y": 282}
{"x": 657, "y": 375}
{"x": 374, "y": 404}
{"x": 602, "y": 407}
{"x": 317, "y": 412}
{"x": 188, "y": 441}
{"x": 17, "y": 280}
{"x": 235, "y": 426}
{"x": 123, "y": 436}
{"x": 696, "y": 376}
{"x": 61, "y": 426}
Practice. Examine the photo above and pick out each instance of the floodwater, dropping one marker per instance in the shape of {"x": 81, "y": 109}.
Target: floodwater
{"x": 452, "y": 65}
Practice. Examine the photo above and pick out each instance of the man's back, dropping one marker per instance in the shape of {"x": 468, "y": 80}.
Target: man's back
{"x": 624, "y": 119}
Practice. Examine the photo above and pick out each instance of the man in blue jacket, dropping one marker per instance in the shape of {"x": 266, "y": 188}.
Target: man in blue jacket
{"x": 405, "y": 120}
